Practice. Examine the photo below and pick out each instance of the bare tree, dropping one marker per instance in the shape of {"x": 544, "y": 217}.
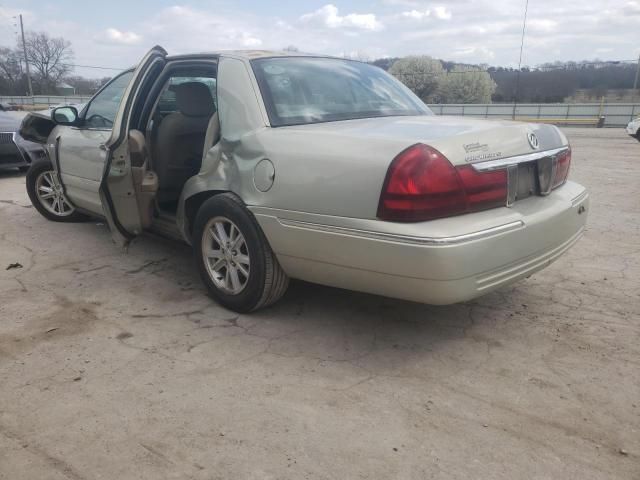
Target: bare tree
{"x": 50, "y": 58}
{"x": 10, "y": 68}
{"x": 421, "y": 74}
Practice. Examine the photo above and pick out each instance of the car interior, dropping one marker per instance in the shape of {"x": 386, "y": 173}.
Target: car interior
{"x": 182, "y": 127}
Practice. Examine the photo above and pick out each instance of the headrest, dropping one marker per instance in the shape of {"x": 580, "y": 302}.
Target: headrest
{"x": 193, "y": 99}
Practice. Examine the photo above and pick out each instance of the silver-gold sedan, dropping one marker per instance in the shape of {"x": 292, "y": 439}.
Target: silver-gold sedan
{"x": 277, "y": 166}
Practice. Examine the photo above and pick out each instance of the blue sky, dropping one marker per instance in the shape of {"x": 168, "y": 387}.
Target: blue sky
{"x": 473, "y": 31}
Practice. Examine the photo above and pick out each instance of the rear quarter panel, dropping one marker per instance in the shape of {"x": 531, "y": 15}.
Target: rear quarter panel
{"x": 325, "y": 172}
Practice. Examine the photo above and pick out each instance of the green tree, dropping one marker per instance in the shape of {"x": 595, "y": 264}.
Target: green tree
{"x": 466, "y": 85}
{"x": 422, "y": 74}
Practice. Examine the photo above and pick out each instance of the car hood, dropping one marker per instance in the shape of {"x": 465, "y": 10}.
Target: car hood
{"x": 10, "y": 121}
{"x": 460, "y": 139}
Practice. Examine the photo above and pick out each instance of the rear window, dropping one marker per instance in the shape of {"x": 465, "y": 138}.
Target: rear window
{"x": 300, "y": 90}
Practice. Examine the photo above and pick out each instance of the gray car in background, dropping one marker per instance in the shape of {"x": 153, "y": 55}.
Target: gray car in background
{"x": 16, "y": 152}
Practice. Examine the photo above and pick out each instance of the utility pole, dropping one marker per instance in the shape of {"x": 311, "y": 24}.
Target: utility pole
{"x": 515, "y": 92}
{"x": 635, "y": 83}
{"x": 26, "y": 61}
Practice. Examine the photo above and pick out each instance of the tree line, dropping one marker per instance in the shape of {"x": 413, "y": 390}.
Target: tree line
{"x": 438, "y": 81}
{"x": 434, "y": 81}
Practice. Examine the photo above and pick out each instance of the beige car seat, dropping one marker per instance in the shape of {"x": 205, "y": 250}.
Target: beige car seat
{"x": 181, "y": 138}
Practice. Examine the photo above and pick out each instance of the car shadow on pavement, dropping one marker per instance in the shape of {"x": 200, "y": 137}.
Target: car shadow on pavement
{"x": 326, "y": 325}
{"x": 11, "y": 172}
{"x": 154, "y": 292}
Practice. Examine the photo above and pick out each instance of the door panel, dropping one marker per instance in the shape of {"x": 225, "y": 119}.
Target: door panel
{"x": 81, "y": 162}
{"x": 117, "y": 190}
{"x": 79, "y": 151}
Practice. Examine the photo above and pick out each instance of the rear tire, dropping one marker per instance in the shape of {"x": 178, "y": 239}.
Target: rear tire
{"x": 47, "y": 196}
{"x": 234, "y": 259}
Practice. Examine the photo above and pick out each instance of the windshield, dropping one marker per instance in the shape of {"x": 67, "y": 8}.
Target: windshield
{"x": 299, "y": 90}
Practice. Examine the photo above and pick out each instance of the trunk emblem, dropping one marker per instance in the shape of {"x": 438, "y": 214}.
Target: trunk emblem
{"x": 533, "y": 140}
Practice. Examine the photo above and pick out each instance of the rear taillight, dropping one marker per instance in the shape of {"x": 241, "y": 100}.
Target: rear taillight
{"x": 562, "y": 168}
{"x": 422, "y": 184}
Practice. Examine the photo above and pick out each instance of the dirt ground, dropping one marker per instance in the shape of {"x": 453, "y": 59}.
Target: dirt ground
{"x": 117, "y": 366}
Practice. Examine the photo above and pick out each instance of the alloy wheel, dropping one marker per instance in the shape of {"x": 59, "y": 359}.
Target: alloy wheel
{"x": 225, "y": 255}
{"x": 51, "y": 195}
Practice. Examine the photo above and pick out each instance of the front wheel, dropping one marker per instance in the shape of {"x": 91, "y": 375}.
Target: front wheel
{"x": 47, "y": 195}
{"x": 234, "y": 258}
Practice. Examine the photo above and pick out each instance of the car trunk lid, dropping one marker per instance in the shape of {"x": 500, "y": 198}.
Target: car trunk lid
{"x": 462, "y": 140}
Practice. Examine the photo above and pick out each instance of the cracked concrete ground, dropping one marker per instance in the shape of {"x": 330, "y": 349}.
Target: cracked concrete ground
{"x": 118, "y": 366}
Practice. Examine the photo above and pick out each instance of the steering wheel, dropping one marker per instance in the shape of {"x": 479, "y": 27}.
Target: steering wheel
{"x": 98, "y": 120}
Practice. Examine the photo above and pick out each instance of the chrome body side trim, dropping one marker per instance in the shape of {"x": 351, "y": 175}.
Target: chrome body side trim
{"x": 576, "y": 200}
{"x": 409, "y": 239}
{"x": 505, "y": 162}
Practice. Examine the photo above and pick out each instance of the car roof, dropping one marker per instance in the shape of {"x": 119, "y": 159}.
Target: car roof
{"x": 247, "y": 54}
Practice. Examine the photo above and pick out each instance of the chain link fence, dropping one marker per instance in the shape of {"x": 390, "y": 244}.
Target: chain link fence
{"x": 614, "y": 114}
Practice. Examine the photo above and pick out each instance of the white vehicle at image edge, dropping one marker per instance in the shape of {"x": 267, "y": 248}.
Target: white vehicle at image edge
{"x": 633, "y": 128}
{"x": 278, "y": 165}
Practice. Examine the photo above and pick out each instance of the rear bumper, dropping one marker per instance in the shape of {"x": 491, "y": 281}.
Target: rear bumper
{"x": 438, "y": 262}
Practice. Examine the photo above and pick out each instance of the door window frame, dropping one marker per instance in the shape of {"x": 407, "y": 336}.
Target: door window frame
{"x": 82, "y": 116}
{"x": 160, "y": 83}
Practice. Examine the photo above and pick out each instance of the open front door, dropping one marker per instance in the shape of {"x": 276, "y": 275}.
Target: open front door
{"x": 117, "y": 188}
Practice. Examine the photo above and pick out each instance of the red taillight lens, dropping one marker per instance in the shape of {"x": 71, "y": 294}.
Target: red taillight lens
{"x": 562, "y": 168}
{"x": 422, "y": 184}
{"x": 484, "y": 189}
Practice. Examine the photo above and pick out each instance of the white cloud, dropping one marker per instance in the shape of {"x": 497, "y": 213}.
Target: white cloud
{"x": 113, "y": 35}
{"x": 328, "y": 16}
{"x": 442, "y": 13}
{"x": 473, "y": 54}
{"x": 250, "y": 41}
{"x": 404, "y": 3}
{"x": 472, "y": 31}
{"x": 632, "y": 8}
{"x": 416, "y": 14}
{"x": 542, "y": 25}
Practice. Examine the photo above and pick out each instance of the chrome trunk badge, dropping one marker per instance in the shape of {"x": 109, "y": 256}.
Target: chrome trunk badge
{"x": 533, "y": 140}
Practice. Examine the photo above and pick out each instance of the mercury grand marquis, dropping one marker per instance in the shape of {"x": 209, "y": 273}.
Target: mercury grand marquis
{"x": 277, "y": 165}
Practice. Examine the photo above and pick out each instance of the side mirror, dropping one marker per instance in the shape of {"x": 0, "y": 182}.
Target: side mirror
{"x": 65, "y": 115}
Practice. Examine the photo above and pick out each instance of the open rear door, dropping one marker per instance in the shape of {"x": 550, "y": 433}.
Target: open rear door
{"x": 117, "y": 189}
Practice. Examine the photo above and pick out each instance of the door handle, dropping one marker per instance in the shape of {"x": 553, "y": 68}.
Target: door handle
{"x": 102, "y": 147}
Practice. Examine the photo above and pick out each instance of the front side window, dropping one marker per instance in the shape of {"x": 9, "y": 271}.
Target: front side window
{"x": 103, "y": 108}
{"x": 300, "y": 90}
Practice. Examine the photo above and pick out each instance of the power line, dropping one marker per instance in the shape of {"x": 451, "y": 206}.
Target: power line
{"x": 92, "y": 66}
